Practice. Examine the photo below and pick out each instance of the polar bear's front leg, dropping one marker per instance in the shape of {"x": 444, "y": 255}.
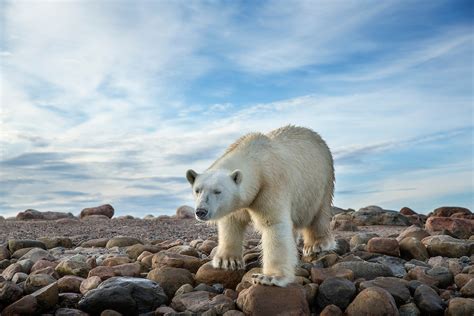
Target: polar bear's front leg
{"x": 231, "y": 230}
{"x": 279, "y": 255}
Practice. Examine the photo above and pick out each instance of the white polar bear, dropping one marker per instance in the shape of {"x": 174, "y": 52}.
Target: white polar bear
{"x": 283, "y": 181}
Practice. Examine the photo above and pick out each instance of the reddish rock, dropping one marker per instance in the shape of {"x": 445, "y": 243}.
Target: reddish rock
{"x": 207, "y": 246}
{"x": 184, "y": 212}
{"x": 27, "y": 305}
{"x": 387, "y": 246}
{"x": 171, "y": 279}
{"x": 272, "y": 300}
{"x": 413, "y": 231}
{"x": 105, "y": 210}
{"x": 412, "y": 248}
{"x": 460, "y": 227}
{"x": 407, "y": 211}
{"x": 127, "y": 269}
{"x": 331, "y": 310}
{"x": 46, "y": 297}
{"x": 89, "y": 284}
{"x": 318, "y": 275}
{"x": 460, "y": 307}
{"x": 102, "y": 272}
{"x": 30, "y": 214}
{"x": 41, "y": 264}
{"x": 115, "y": 261}
{"x": 210, "y": 275}
{"x": 167, "y": 259}
{"x": 70, "y": 283}
{"x": 447, "y": 211}
{"x": 373, "y": 301}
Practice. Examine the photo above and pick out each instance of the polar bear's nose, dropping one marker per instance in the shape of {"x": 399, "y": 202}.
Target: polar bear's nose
{"x": 201, "y": 213}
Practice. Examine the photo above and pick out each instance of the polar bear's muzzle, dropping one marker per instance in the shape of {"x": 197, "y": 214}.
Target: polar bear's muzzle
{"x": 201, "y": 213}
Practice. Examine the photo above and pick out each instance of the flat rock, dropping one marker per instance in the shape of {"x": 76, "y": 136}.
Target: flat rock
{"x": 361, "y": 239}
{"x": 167, "y": 259}
{"x": 36, "y": 254}
{"x": 136, "y": 250}
{"x": 70, "y": 283}
{"x": 448, "y": 211}
{"x": 210, "y": 275}
{"x": 122, "y": 241}
{"x": 105, "y": 210}
{"x": 202, "y": 301}
{"x": 272, "y": 300}
{"x": 31, "y": 214}
{"x": 10, "y": 271}
{"x": 459, "y": 227}
{"x": 90, "y": 283}
{"x": 16, "y": 244}
{"x": 27, "y": 305}
{"x": 364, "y": 269}
{"x": 184, "y": 212}
{"x": 375, "y": 215}
{"x": 428, "y": 301}
{"x": 100, "y": 242}
{"x": 398, "y": 288}
{"x": 336, "y": 291}
{"x": 129, "y": 296}
{"x": 53, "y": 242}
{"x": 69, "y": 312}
{"x": 447, "y": 246}
{"x": 184, "y": 250}
{"x": 468, "y": 289}
{"x": 413, "y": 231}
{"x": 171, "y": 279}
{"x": 318, "y": 275}
{"x": 373, "y": 301}
{"x": 387, "y": 246}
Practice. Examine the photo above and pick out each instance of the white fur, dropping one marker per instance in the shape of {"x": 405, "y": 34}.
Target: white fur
{"x": 282, "y": 181}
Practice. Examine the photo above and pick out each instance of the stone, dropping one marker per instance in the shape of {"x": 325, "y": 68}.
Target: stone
{"x": 373, "y": 301}
{"x": 171, "y": 279}
{"x": 9, "y": 292}
{"x": 461, "y": 279}
{"x": 31, "y": 214}
{"x": 407, "y": 211}
{"x": 460, "y": 307}
{"x": 105, "y": 210}
{"x": 413, "y": 231}
{"x": 184, "y": 212}
{"x": 90, "y": 283}
{"x": 163, "y": 310}
{"x": 127, "y": 269}
{"x": 184, "y": 250}
{"x": 428, "y": 301}
{"x": 210, "y": 275}
{"x": 73, "y": 267}
{"x": 135, "y": 250}
{"x": 468, "y": 289}
{"x": 37, "y": 281}
{"x": 69, "y": 312}
{"x": 53, "y": 242}
{"x": 27, "y": 305}
{"x": 185, "y": 288}
{"x": 41, "y": 264}
{"x": 4, "y": 252}
{"x": 442, "y": 275}
{"x": 100, "y": 242}
{"x": 409, "y": 309}
{"x": 343, "y": 222}
{"x": 447, "y": 246}
{"x": 331, "y": 310}
{"x": 103, "y": 272}
{"x": 387, "y": 246}
{"x": 447, "y": 211}
{"x": 459, "y": 227}
{"x": 46, "y": 297}
{"x": 10, "y": 271}
{"x": 36, "y": 254}
{"x": 272, "y": 300}
{"x": 167, "y": 259}
{"x": 413, "y": 248}
{"x": 318, "y": 275}
{"x": 202, "y": 301}
{"x": 375, "y": 215}
{"x": 207, "y": 246}
{"x": 16, "y": 244}
{"x": 129, "y": 296}
{"x": 361, "y": 239}
{"x": 336, "y": 291}
{"x": 364, "y": 269}
{"x": 70, "y": 283}
{"x": 19, "y": 277}
{"x": 69, "y": 300}
{"x": 115, "y": 261}
{"x": 122, "y": 241}
{"x": 419, "y": 273}
{"x": 110, "y": 312}
{"x": 398, "y": 288}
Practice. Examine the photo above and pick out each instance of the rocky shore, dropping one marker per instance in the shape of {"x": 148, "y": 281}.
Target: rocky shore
{"x": 387, "y": 263}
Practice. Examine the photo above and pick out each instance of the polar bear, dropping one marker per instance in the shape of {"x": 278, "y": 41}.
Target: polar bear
{"x": 283, "y": 182}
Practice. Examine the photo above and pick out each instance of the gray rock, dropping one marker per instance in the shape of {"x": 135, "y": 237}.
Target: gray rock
{"x": 9, "y": 293}
{"x": 16, "y": 244}
{"x": 35, "y": 282}
{"x": 336, "y": 291}
{"x": 447, "y": 246}
{"x": 129, "y": 296}
{"x": 396, "y": 265}
{"x": 364, "y": 269}
{"x": 409, "y": 309}
{"x": 37, "y": 254}
{"x": 398, "y": 288}
{"x": 428, "y": 301}
{"x": 375, "y": 215}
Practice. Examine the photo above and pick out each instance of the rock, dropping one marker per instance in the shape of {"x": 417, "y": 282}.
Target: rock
{"x": 89, "y": 284}
{"x": 398, "y": 288}
{"x": 69, "y": 312}
{"x": 387, "y": 246}
{"x": 459, "y": 227}
{"x": 163, "y": 310}
{"x": 409, "y": 309}
{"x": 103, "y": 272}
{"x": 428, "y": 301}
{"x": 10, "y": 271}
{"x": 184, "y": 250}
{"x": 19, "y": 277}
{"x": 185, "y": 288}
{"x": 127, "y": 269}
{"x": 46, "y": 297}
{"x": 442, "y": 275}
{"x": 318, "y": 275}
{"x": 69, "y": 300}
{"x": 105, "y": 210}
{"x": 413, "y": 248}
{"x": 27, "y": 305}
{"x": 73, "y": 267}
{"x": 207, "y": 246}
{"x": 336, "y": 291}
{"x": 364, "y": 269}
{"x": 122, "y": 241}
{"x": 129, "y": 296}
{"x": 407, "y": 211}
{"x": 361, "y": 239}
{"x": 41, "y": 264}
{"x": 109, "y": 312}
{"x": 134, "y": 251}
{"x": 149, "y": 217}
{"x": 4, "y": 252}
{"x": 16, "y": 244}
{"x": 373, "y": 301}
{"x": 447, "y": 246}
{"x": 331, "y": 310}
{"x": 115, "y": 261}
{"x": 460, "y": 307}
{"x": 20, "y": 252}
{"x": 170, "y": 278}
{"x": 30, "y": 214}
{"x": 201, "y": 301}
{"x": 52, "y": 242}
{"x": 37, "y": 254}
{"x": 101, "y": 242}
{"x": 36, "y": 281}
{"x": 461, "y": 279}
{"x": 413, "y": 231}
{"x": 272, "y": 300}
{"x": 70, "y": 283}
{"x": 468, "y": 289}
{"x": 167, "y": 259}
{"x": 210, "y": 275}
{"x": 184, "y": 212}
{"x": 375, "y": 215}
{"x": 419, "y": 273}
{"x": 9, "y": 292}
{"x": 447, "y": 211}
{"x": 343, "y": 222}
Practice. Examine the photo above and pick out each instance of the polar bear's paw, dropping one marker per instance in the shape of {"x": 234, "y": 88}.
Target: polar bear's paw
{"x": 258, "y": 278}
{"x": 228, "y": 263}
{"x": 319, "y": 246}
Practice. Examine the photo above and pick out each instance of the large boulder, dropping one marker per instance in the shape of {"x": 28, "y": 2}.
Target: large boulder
{"x": 31, "y": 214}
{"x": 447, "y": 246}
{"x": 375, "y": 215}
{"x": 448, "y": 211}
{"x": 105, "y": 210}
{"x": 459, "y": 227}
{"x": 129, "y": 296}
{"x": 184, "y": 212}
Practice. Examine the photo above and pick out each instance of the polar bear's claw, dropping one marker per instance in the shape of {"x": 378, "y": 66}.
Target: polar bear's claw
{"x": 318, "y": 247}
{"x": 228, "y": 263}
{"x": 258, "y": 278}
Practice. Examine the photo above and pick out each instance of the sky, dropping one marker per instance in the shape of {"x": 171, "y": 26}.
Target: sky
{"x": 112, "y": 101}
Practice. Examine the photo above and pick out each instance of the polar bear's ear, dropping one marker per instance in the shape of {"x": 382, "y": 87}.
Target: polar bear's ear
{"x": 236, "y": 176}
{"x": 191, "y": 175}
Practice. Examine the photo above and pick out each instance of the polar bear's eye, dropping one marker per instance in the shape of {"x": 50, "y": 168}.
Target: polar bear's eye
{"x": 197, "y": 191}
{"x": 217, "y": 192}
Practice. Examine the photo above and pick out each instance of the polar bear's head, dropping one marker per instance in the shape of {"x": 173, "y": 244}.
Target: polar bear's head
{"x": 216, "y": 192}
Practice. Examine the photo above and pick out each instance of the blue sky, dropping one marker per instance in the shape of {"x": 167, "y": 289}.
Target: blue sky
{"x": 112, "y": 101}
